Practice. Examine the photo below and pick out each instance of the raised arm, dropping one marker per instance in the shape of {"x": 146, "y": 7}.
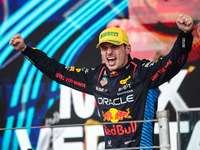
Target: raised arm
{"x": 168, "y": 66}
{"x": 76, "y": 78}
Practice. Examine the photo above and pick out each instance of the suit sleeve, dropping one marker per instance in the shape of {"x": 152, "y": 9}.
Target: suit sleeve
{"x": 158, "y": 72}
{"x": 76, "y": 78}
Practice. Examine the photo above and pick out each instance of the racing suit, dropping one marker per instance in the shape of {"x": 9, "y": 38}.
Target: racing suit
{"x": 129, "y": 93}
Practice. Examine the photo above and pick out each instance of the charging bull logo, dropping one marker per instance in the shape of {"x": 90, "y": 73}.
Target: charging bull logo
{"x": 115, "y": 115}
{"x": 114, "y": 73}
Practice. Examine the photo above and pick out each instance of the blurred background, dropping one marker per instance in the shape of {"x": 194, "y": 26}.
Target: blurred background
{"x": 68, "y": 32}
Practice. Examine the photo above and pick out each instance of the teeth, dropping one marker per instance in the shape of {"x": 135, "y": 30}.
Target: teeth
{"x": 111, "y": 58}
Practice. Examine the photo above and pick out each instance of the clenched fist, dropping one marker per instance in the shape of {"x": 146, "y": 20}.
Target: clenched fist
{"x": 185, "y": 23}
{"x": 18, "y": 43}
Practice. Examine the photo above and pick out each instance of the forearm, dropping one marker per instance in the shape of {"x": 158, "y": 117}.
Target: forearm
{"x": 41, "y": 61}
{"x": 181, "y": 49}
{"x": 168, "y": 66}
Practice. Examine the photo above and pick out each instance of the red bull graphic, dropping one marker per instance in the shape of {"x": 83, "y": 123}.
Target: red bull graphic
{"x": 115, "y": 115}
{"x": 121, "y": 130}
{"x": 114, "y": 73}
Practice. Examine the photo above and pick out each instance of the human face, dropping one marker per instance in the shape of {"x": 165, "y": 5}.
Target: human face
{"x": 114, "y": 56}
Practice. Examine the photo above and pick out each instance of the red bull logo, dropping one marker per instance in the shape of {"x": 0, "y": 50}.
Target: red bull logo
{"x": 120, "y": 130}
{"x": 115, "y": 115}
{"x": 114, "y": 73}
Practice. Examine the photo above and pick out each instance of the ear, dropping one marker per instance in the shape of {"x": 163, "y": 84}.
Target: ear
{"x": 128, "y": 49}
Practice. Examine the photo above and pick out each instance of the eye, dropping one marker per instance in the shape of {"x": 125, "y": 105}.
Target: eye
{"x": 103, "y": 48}
{"x": 115, "y": 46}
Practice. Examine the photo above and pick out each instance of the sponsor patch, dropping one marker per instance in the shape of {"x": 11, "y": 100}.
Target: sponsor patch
{"x": 114, "y": 73}
{"x": 71, "y": 68}
{"x": 124, "y": 81}
{"x": 103, "y": 81}
{"x": 120, "y": 130}
{"x": 78, "y": 69}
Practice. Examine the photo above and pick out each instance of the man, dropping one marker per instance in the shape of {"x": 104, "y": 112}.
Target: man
{"x": 121, "y": 84}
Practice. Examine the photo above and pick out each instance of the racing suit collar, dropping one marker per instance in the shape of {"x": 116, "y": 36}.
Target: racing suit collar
{"x": 120, "y": 71}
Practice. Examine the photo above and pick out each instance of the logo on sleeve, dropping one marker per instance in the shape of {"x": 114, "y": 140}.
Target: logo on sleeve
{"x": 71, "y": 68}
{"x": 78, "y": 69}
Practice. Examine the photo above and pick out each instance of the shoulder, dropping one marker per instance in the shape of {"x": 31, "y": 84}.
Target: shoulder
{"x": 143, "y": 62}
{"x": 97, "y": 69}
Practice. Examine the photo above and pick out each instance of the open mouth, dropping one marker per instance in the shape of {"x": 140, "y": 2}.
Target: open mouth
{"x": 111, "y": 61}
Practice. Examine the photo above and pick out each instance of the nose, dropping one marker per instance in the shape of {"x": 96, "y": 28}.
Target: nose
{"x": 109, "y": 51}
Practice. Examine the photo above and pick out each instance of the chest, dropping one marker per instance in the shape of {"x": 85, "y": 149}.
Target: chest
{"x": 114, "y": 85}
{"x": 116, "y": 91}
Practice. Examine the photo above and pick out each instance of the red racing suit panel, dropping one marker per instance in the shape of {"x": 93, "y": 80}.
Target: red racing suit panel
{"x": 121, "y": 95}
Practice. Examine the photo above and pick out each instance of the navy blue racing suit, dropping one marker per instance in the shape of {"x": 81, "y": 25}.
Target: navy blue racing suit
{"x": 127, "y": 94}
